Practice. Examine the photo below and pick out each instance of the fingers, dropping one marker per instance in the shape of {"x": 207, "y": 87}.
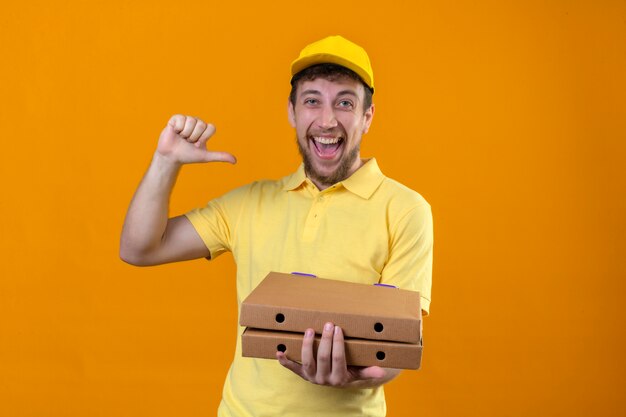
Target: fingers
{"x": 309, "y": 367}
{"x": 339, "y": 367}
{"x": 190, "y": 128}
{"x": 205, "y": 135}
{"x": 324, "y": 353}
{"x": 329, "y": 366}
{"x": 199, "y": 129}
{"x": 295, "y": 367}
{"x": 184, "y": 140}
{"x": 177, "y": 121}
{"x": 372, "y": 372}
{"x": 190, "y": 124}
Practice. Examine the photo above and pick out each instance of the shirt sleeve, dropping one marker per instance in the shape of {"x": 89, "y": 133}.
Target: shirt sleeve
{"x": 216, "y": 223}
{"x": 409, "y": 265}
{"x": 213, "y": 226}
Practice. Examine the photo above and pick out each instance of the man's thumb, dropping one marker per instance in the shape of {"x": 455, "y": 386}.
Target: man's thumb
{"x": 372, "y": 372}
{"x": 220, "y": 157}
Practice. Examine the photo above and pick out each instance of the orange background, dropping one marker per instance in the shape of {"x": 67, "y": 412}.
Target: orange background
{"x": 509, "y": 117}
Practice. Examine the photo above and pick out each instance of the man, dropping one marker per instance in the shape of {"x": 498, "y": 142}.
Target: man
{"x": 336, "y": 217}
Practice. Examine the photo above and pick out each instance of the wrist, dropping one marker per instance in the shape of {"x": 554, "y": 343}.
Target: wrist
{"x": 165, "y": 164}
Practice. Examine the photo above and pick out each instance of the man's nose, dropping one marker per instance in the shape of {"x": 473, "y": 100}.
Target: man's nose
{"x": 327, "y": 118}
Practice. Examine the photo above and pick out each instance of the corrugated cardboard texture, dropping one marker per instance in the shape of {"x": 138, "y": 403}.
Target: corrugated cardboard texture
{"x": 294, "y": 303}
{"x": 259, "y": 343}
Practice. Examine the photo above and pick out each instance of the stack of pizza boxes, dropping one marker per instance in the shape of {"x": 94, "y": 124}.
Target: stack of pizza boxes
{"x": 381, "y": 325}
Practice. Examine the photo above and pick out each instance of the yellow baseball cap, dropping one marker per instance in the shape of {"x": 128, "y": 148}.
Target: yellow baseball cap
{"x": 336, "y": 50}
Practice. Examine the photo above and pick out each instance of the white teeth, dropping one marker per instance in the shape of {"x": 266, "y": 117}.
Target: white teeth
{"x": 326, "y": 141}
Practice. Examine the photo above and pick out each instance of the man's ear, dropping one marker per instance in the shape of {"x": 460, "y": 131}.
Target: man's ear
{"x": 291, "y": 114}
{"x": 369, "y": 115}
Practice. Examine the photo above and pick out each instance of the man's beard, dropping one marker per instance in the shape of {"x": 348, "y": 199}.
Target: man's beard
{"x": 340, "y": 174}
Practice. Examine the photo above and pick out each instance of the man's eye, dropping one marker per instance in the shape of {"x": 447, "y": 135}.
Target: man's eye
{"x": 310, "y": 101}
{"x": 345, "y": 103}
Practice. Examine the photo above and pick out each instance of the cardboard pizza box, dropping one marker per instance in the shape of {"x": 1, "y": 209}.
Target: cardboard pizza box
{"x": 258, "y": 343}
{"x": 288, "y": 302}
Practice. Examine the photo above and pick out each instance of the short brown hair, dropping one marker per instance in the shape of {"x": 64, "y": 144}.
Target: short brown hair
{"x": 329, "y": 72}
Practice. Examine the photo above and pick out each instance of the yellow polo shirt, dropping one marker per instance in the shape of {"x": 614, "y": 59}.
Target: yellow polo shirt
{"x": 367, "y": 229}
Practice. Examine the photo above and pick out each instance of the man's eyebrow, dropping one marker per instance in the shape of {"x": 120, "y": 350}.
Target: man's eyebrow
{"x": 348, "y": 92}
{"x": 341, "y": 93}
{"x": 316, "y": 92}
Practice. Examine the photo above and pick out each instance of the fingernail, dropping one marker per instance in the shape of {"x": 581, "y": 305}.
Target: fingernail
{"x": 328, "y": 326}
{"x": 336, "y": 329}
{"x": 309, "y": 333}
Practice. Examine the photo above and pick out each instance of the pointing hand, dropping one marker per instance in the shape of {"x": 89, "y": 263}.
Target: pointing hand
{"x": 184, "y": 141}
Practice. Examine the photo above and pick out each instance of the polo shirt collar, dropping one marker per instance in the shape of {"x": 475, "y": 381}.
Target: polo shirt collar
{"x": 362, "y": 183}
{"x": 295, "y": 180}
{"x": 365, "y": 180}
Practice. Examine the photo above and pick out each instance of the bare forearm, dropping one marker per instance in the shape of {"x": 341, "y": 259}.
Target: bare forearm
{"x": 149, "y": 237}
{"x": 147, "y": 216}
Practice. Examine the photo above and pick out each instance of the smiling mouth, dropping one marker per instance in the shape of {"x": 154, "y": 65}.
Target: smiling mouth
{"x": 326, "y": 148}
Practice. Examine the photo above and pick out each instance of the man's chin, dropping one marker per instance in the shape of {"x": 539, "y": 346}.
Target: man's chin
{"x": 326, "y": 175}
{"x": 328, "y": 172}
{"x": 325, "y": 170}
